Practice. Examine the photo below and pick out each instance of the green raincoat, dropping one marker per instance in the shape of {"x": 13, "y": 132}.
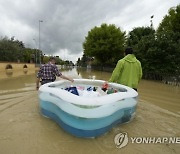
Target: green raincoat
{"x": 128, "y": 71}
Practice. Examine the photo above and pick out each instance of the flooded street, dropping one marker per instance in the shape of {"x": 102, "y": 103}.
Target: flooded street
{"x": 24, "y": 131}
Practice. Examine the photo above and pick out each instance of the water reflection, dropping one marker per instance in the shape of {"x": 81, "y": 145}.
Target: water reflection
{"x": 93, "y": 74}
{"x": 17, "y": 82}
{"x": 9, "y": 72}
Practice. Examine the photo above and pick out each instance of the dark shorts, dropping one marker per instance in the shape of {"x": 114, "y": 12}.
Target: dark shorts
{"x": 135, "y": 89}
{"x": 44, "y": 81}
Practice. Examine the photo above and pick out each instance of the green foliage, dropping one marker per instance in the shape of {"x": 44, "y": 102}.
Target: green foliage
{"x": 78, "y": 62}
{"x": 159, "y": 51}
{"x": 45, "y": 59}
{"x": 9, "y": 50}
{"x": 137, "y": 34}
{"x": 83, "y": 61}
{"x": 14, "y": 50}
{"x": 170, "y": 22}
{"x": 59, "y": 61}
{"x": 105, "y": 43}
{"x": 168, "y": 42}
{"x": 142, "y": 39}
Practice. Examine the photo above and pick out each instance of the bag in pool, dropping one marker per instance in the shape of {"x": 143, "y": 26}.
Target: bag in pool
{"x": 72, "y": 90}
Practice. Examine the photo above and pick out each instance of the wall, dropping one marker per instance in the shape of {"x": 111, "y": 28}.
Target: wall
{"x": 16, "y": 66}
{"x": 17, "y": 69}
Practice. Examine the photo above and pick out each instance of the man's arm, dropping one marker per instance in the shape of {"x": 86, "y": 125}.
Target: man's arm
{"x": 39, "y": 75}
{"x": 67, "y": 78}
{"x": 59, "y": 74}
{"x": 37, "y": 83}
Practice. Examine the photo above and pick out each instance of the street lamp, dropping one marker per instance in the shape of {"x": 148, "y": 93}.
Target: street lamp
{"x": 40, "y": 42}
{"x": 152, "y": 21}
{"x": 36, "y": 50}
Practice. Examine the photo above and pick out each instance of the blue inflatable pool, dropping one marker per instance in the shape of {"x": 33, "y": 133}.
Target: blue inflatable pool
{"x": 87, "y": 116}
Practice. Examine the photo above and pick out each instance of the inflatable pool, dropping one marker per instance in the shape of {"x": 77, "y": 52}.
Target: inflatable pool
{"x": 87, "y": 116}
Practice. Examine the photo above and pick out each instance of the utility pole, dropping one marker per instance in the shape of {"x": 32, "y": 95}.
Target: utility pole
{"x": 40, "y": 41}
{"x": 152, "y": 21}
{"x": 36, "y": 50}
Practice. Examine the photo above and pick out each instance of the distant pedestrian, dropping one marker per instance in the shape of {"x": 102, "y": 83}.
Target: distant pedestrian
{"x": 128, "y": 70}
{"x": 48, "y": 73}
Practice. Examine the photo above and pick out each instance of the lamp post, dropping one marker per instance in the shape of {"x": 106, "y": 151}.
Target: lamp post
{"x": 40, "y": 41}
{"x": 152, "y": 21}
{"x": 36, "y": 50}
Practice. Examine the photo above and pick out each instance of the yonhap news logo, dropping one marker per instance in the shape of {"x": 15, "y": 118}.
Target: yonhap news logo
{"x": 122, "y": 139}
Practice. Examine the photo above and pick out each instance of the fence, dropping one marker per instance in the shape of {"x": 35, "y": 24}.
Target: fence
{"x": 171, "y": 79}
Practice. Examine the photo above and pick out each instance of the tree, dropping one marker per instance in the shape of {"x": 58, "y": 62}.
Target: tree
{"x": 14, "y": 50}
{"x": 105, "y": 43}
{"x": 171, "y": 22}
{"x": 142, "y": 39}
{"x": 83, "y": 61}
{"x": 28, "y": 55}
{"x": 138, "y": 33}
{"x": 159, "y": 52}
{"x": 59, "y": 61}
{"x": 9, "y": 50}
{"x": 168, "y": 38}
{"x": 78, "y": 63}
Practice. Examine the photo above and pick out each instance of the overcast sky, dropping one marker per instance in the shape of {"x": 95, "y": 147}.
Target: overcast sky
{"x": 67, "y": 22}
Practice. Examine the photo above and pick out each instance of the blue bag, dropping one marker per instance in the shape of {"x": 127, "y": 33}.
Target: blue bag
{"x": 72, "y": 90}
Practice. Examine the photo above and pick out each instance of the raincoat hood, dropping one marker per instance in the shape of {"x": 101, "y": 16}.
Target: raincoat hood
{"x": 130, "y": 58}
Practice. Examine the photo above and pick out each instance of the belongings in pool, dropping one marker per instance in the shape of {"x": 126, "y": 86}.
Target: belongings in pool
{"x": 105, "y": 86}
{"x": 72, "y": 90}
{"x": 91, "y": 91}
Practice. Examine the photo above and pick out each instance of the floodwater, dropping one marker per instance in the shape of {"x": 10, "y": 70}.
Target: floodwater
{"x": 24, "y": 131}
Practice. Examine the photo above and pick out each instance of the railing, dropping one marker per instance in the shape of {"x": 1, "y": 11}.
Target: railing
{"x": 171, "y": 79}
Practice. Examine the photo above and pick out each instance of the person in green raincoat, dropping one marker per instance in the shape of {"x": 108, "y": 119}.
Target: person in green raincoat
{"x": 128, "y": 70}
